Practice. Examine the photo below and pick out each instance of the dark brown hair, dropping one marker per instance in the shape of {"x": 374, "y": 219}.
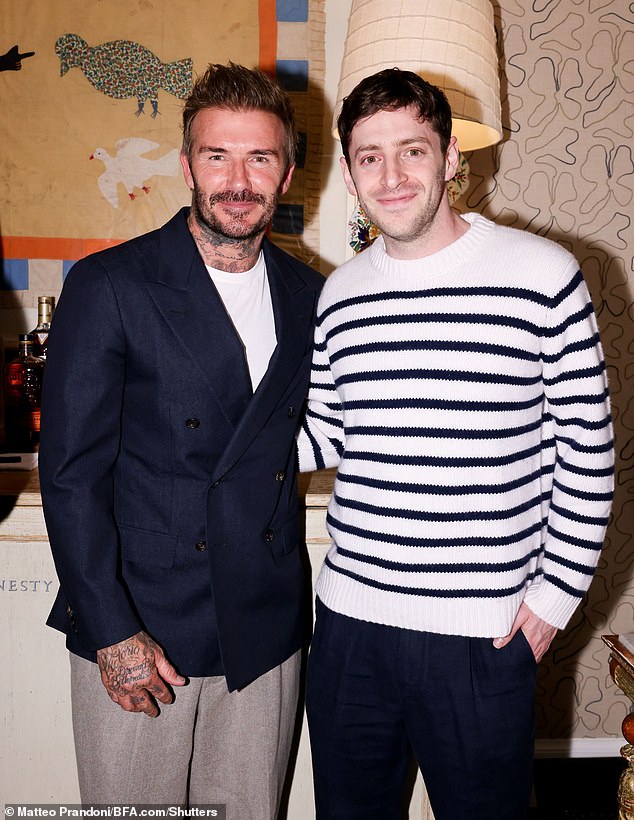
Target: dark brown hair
{"x": 237, "y": 88}
{"x": 389, "y": 90}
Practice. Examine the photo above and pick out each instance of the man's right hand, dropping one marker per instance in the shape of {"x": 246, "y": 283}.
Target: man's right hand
{"x": 135, "y": 673}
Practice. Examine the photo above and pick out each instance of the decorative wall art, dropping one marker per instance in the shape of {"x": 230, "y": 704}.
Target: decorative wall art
{"x": 91, "y": 96}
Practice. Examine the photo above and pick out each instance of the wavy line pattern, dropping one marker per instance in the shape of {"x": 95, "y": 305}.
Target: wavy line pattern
{"x": 565, "y": 169}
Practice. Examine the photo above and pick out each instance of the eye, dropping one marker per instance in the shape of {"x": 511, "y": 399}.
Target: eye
{"x": 414, "y": 152}
{"x": 371, "y": 159}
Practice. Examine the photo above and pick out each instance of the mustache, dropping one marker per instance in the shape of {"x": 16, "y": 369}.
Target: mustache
{"x": 237, "y": 196}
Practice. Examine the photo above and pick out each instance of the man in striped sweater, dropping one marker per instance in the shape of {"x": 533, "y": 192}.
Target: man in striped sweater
{"x": 459, "y": 385}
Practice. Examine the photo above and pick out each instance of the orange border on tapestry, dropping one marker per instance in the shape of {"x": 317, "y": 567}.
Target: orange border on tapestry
{"x": 268, "y": 35}
{"x": 43, "y": 247}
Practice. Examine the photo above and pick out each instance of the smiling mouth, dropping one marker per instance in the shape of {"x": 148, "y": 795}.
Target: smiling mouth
{"x": 402, "y": 199}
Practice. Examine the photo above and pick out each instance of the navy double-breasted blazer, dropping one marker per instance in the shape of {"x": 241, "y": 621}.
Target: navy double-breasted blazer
{"x": 169, "y": 488}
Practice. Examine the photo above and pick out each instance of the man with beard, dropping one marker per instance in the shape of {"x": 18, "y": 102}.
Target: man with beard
{"x": 459, "y": 385}
{"x": 177, "y": 367}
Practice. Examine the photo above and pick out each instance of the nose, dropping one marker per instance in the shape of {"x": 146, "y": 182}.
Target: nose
{"x": 393, "y": 172}
{"x": 239, "y": 176}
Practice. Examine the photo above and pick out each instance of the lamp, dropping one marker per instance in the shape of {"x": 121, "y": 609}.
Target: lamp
{"x": 450, "y": 43}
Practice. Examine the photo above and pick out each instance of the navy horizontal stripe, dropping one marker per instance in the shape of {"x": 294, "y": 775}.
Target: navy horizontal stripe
{"x": 584, "y": 398}
{"x": 322, "y": 386}
{"x": 557, "y": 582}
{"x": 586, "y": 424}
{"x": 581, "y": 447}
{"x": 573, "y": 347}
{"x": 432, "y": 593}
{"x": 437, "y": 489}
{"x": 335, "y": 421}
{"x": 411, "y": 541}
{"x": 428, "y": 515}
{"x": 435, "y": 344}
{"x": 583, "y": 543}
{"x": 451, "y": 568}
{"x": 575, "y": 566}
{"x": 572, "y": 375}
{"x": 599, "y": 521}
{"x": 498, "y": 293}
{"x": 581, "y": 494}
{"x": 494, "y": 320}
{"x": 571, "y": 287}
{"x": 435, "y": 375}
{"x": 586, "y": 471}
{"x": 573, "y": 319}
{"x": 442, "y": 432}
{"x": 442, "y": 404}
{"x": 439, "y": 461}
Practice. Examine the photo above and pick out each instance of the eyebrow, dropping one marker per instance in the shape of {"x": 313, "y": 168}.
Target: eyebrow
{"x": 255, "y": 151}
{"x": 400, "y": 144}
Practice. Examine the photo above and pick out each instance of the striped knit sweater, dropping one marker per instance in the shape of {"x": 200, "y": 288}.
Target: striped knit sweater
{"x": 464, "y": 398}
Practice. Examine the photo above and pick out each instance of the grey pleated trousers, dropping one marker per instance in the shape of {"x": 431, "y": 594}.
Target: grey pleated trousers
{"x": 210, "y": 746}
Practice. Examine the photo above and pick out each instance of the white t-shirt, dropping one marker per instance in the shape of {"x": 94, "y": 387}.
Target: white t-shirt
{"x": 247, "y": 299}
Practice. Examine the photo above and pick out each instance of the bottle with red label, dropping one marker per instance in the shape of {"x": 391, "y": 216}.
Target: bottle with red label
{"x": 23, "y": 378}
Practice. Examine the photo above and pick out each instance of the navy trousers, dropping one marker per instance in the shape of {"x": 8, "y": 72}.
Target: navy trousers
{"x": 376, "y": 694}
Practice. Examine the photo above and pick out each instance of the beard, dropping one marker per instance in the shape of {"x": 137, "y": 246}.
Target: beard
{"x": 237, "y": 227}
{"x": 401, "y": 230}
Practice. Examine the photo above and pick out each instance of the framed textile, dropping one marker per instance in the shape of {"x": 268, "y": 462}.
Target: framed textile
{"x": 91, "y": 96}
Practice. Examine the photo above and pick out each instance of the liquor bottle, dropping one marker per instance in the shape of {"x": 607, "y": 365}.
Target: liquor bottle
{"x": 45, "y": 308}
{"x": 22, "y": 396}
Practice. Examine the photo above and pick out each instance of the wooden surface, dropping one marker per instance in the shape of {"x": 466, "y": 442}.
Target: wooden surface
{"x": 315, "y": 489}
{"x": 22, "y": 484}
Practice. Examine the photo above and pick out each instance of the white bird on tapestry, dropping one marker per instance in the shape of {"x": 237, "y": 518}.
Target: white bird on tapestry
{"x": 128, "y": 167}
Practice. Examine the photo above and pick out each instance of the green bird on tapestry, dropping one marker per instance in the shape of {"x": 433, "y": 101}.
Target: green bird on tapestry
{"x": 123, "y": 69}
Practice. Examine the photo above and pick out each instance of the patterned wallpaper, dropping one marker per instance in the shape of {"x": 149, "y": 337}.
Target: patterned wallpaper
{"x": 565, "y": 170}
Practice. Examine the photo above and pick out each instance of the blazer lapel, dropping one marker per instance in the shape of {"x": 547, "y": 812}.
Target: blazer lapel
{"x": 190, "y": 304}
{"x": 293, "y": 306}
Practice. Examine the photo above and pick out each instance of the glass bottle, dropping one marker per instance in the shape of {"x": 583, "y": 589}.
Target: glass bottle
{"x": 45, "y": 308}
{"x": 22, "y": 397}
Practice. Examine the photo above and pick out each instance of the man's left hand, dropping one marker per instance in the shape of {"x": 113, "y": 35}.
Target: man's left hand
{"x": 538, "y": 633}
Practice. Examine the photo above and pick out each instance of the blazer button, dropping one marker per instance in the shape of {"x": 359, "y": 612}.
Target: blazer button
{"x": 268, "y": 535}
{"x": 280, "y": 475}
{"x": 201, "y": 546}
{"x": 192, "y": 424}
{"x": 291, "y": 412}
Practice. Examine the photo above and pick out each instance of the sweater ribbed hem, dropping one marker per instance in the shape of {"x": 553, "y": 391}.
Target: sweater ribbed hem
{"x": 488, "y": 618}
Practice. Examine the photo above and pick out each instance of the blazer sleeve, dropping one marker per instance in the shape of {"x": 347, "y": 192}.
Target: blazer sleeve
{"x": 80, "y": 439}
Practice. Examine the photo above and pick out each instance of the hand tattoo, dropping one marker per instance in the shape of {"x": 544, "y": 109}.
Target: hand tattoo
{"x": 127, "y": 664}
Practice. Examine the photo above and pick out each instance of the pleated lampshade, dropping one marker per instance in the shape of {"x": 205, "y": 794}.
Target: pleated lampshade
{"x": 450, "y": 43}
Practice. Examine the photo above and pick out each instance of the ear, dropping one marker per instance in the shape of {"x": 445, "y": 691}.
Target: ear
{"x": 286, "y": 182}
{"x": 452, "y": 159}
{"x": 187, "y": 171}
{"x": 347, "y": 177}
